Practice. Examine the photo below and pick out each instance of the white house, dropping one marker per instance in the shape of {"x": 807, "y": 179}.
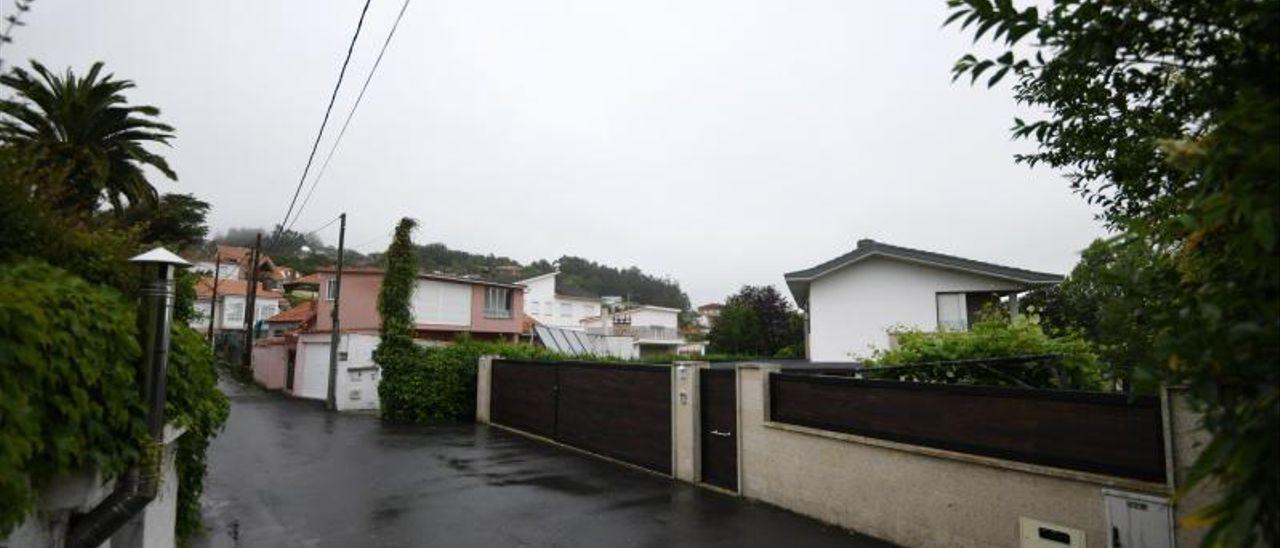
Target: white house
{"x": 555, "y": 305}
{"x": 854, "y": 301}
{"x": 653, "y": 330}
{"x": 229, "y": 310}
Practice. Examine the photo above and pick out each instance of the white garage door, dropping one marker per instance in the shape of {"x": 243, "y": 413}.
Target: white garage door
{"x": 315, "y": 371}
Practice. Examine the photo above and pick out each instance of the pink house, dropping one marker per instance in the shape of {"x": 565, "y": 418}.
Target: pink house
{"x": 443, "y": 306}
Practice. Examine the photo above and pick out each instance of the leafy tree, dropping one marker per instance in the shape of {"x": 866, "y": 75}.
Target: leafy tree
{"x": 1167, "y": 116}
{"x": 758, "y": 321}
{"x": 396, "y": 352}
{"x": 177, "y": 221}
{"x": 1102, "y": 301}
{"x": 82, "y": 129}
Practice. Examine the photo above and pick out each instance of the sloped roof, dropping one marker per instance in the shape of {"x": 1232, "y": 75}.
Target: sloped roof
{"x": 301, "y": 313}
{"x": 568, "y": 341}
{"x": 799, "y": 280}
{"x": 347, "y": 270}
{"x": 309, "y": 279}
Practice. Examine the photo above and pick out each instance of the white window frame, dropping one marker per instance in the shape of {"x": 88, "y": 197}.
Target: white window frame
{"x": 945, "y": 322}
{"x": 330, "y": 287}
{"x": 232, "y": 313}
{"x": 497, "y": 303}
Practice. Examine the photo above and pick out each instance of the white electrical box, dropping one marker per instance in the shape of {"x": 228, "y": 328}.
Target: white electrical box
{"x": 1038, "y": 534}
{"x": 1137, "y": 521}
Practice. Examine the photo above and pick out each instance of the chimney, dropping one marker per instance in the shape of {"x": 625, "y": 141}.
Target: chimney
{"x": 865, "y": 242}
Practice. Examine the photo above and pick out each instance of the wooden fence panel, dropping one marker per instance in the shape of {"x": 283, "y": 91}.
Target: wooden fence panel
{"x": 1093, "y": 432}
{"x": 620, "y": 411}
{"x": 522, "y": 396}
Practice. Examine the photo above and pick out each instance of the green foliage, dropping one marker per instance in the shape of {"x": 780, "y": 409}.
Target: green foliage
{"x": 31, "y": 226}
{"x": 758, "y": 321}
{"x": 177, "y": 221}
{"x": 395, "y": 347}
{"x": 193, "y": 401}
{"x": 69, "y": 398}
{"x": 1075, "y": 365}
{"x": 1110, "y": 299}
{"x": 1167, "y": 115}
{"x": 438, "y": 383}
{"x": 82, "y": 128}
{"x": 629, "y": 283}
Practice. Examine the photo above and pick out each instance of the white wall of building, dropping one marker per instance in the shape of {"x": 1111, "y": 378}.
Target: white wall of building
{"x": 357, "y": 378}
{"x": 653, "y": 316}
{"x": 852, "y": 309}
{"x": 441, "y": 303}
{"x": 231, "y": 311}
{"x": 543, "y": 304}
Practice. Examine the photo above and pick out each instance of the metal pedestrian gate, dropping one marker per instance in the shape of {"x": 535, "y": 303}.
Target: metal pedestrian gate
{"x": 718, "y": 394}
{"x": 619, "y": 411}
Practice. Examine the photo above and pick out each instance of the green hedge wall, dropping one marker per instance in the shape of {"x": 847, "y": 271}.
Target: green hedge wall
{"x": 439, "y": 383}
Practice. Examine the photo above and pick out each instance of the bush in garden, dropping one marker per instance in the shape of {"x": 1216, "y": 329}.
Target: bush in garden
{"x": 997, "y": 336}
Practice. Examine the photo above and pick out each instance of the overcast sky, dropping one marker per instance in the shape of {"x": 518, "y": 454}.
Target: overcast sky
{"x": 718, "y": 143}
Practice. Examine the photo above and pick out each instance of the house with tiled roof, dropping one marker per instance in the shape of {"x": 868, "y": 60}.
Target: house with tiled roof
{"x": 296, "y": 319}
{"x": 225, "y": 304}
{"x": 855, "y": 303}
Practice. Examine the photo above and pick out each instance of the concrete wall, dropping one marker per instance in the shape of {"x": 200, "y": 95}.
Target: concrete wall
{"x": 270, "y": 362}
{"x": 1187, "y": 440}
{"x": 909, "y": 495}
{"x": 852, "y": 309}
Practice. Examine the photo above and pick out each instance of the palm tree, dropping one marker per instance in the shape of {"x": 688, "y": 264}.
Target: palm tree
{"x": 82, "y": 130}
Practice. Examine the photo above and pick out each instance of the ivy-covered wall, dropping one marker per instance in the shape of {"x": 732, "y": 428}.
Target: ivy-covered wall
{"x": 69, "y": 391}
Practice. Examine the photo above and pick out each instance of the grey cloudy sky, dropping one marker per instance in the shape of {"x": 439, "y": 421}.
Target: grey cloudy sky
{"x": 720, "y": 143}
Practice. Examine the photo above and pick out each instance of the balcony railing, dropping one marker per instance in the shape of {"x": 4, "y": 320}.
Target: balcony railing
{"x": 651, "y": 332}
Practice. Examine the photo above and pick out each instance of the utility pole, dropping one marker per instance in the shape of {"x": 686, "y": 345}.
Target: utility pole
{"x": 331, "y": 401}
{"x": 213, "y": 304}
{"x": 251, "y": 304}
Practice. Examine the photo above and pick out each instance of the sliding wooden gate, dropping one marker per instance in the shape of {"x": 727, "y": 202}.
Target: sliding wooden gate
{"x": 619, "y": 411}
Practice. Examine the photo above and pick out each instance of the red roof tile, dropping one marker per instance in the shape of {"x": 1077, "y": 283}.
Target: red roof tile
{"x": 301, "y": 313}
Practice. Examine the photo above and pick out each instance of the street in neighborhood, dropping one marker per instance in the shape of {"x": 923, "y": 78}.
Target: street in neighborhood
{"x": 286, "y": 473}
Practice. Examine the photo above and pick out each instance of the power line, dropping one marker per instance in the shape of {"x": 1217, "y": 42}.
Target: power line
{"x": 322, "y": 227}
{"x": 325, "y": 166}
{"x": 316, "y": 145}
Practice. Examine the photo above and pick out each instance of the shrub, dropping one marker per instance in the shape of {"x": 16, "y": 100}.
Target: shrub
{"x": 192, "y": 400}
{"x": 997, "y": 337}
{"x": 69, "y": 398}
{"x": 438, "y": 383}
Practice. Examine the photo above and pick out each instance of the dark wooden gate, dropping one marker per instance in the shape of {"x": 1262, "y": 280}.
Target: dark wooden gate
{"x": 719, "y": 409}
{"x": 619, "y": 411}
{"x": 523, "y": 396}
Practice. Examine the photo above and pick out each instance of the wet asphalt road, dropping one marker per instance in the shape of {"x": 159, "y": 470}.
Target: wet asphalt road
{"x": 286, "y": 473}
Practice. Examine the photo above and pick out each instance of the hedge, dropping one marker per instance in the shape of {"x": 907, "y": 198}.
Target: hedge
{"x": 438, "y": 383}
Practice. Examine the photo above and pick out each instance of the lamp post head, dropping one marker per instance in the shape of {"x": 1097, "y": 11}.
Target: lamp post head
{"x": 159, "y": 256}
